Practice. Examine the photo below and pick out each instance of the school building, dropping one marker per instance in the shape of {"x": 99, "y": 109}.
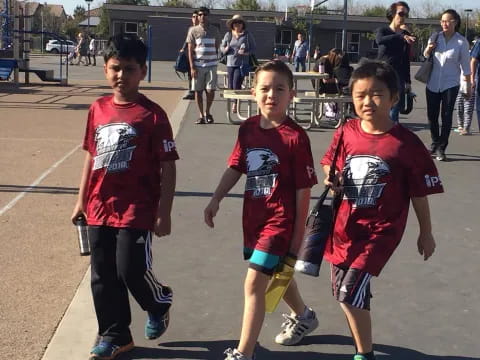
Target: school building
{"x": 271, "y": 31}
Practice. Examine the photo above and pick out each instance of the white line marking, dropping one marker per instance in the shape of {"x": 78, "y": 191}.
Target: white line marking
{"x": 37, "y": 181}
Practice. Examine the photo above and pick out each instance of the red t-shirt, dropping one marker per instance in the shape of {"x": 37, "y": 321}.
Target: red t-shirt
{"x": 277, "y": 162}
{"x": 127, "y": 143}
{"x": 381, "y": 174}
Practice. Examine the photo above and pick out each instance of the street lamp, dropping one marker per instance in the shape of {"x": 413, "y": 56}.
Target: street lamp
{"x": 310, "y": 31}
{"x": 88, "y": 18}
{"x": 468, "y": 11}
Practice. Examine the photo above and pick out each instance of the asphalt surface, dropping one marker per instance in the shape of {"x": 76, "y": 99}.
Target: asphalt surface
{"x": 421, "y": 310}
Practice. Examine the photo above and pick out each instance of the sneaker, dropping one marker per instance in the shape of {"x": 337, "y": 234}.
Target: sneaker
{"x": 189, "y": 96}
{"x": 458, "y": 129}
{"x": 362, "y": 357}
{"x": 200, "y": 121}
{"x": 441, "y": 156}
{"x": 464, "y": 132}
{"x": 295, "y": 328}
{"x": 106, "y": 350}
{"x": 209, "y": 119}
{"x": 156, "y": 325}
{"x": 234, "y": 354}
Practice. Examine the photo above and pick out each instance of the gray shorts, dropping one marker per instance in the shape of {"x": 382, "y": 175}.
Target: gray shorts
{"x": 206, "y": 79}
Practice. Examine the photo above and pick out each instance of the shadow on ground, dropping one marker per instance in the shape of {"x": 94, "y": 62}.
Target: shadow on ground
{"x": 213, "y": 350}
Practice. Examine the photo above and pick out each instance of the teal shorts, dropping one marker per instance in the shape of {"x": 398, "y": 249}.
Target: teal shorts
{"x": 261, "y": 261}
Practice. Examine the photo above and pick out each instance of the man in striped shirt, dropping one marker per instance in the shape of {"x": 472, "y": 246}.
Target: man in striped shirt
{"x": 203, "y": 41}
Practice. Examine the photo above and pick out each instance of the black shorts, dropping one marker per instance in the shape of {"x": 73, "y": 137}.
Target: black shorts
{"x": 351, "y": 286}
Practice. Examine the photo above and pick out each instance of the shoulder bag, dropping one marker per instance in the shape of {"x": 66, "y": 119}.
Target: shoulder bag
{"x": 425, "y": 70}
{"x": 319, "y": 226}
{"x": 223, "y": 58}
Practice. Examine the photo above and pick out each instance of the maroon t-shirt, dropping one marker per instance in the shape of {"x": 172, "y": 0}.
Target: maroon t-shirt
{"x": 381, "y": 173}
{"x": 277, "y": 162}
{"x": 127, "y": 143}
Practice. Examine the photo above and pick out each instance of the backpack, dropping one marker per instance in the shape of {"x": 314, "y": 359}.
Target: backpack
{"x": 181, "y": 64}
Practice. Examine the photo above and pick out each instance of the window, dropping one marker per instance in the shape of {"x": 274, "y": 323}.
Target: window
{"x": 283, "y": 37}
{"x": 131, "y": 28}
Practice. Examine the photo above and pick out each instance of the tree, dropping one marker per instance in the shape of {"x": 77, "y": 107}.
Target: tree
{"x": 103, "y": 28}
{"x": 251, "y": 5}
{"x": 79, "y": 13}
{"x": 377, "y": 10}
{"x": 177, "y": 3}
{"x": 271, "y": 5}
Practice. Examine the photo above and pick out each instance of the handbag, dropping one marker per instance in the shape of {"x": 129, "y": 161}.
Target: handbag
{"x": 319, "y": 226}
{"x": 223, "y": 58}
{"x": 407, "y": 107}
{"x": 425, "y": 70}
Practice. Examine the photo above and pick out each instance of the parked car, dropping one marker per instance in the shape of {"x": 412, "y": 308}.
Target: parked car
{"x": 54, "y": 46}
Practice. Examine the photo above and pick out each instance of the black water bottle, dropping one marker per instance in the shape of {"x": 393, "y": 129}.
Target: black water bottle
{"x": 83, "y": 244}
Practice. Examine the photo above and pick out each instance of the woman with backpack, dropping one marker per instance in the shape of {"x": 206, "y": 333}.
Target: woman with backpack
{"x": 236, "y": 46}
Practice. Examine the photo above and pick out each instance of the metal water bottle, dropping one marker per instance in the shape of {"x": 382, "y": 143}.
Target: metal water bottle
{"x": 83, "y": 244}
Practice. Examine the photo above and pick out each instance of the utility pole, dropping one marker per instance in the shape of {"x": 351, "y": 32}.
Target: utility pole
{"x": 344, "y": 30}
{"x": 88, "y": 16}
{"x": 467, "y": 11}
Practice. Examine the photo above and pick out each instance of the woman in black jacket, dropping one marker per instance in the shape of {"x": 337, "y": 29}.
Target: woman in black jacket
{"x": 394, "y": 42}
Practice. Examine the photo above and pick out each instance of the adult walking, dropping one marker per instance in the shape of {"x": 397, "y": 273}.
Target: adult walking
{"x": 300, "y": 53}
{"x": 394, "y": 41}
{"x": 237, "y": 44}
{"x": 475, "y": 76}
{"x": 450, "y": 58}
{"x": 82, "y": 49}
{"x": 190, "y": 95}
{"x": 203, "y": 41}
{"x": 92, "y": 50}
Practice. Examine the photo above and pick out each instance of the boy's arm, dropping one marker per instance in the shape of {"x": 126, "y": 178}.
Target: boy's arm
{"x": 228, "y": 180}
{"x": 79, "y": 208}
{"x": 163, "y": 223}
{"x": 302, "y": 202}
{"x": 425, "y": 242}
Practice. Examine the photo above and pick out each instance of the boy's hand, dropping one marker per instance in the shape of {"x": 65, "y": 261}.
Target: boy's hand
{"x": 163, "y": 225}
{"x": 77, "y": 211}
{"x": 210, "y": 212}
{"x": 337, "y": 184}
{"x": 426, "y": 245}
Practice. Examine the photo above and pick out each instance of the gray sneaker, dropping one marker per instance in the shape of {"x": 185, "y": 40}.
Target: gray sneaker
{"x": 296, "y": 328}
{"x": 234, "y": 354}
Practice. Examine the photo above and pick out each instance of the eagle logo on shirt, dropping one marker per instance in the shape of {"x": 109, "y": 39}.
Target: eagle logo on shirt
{"x": 113, "y": 146}
{"x": 260, "y": 177}
{"x": 361, "y": 175}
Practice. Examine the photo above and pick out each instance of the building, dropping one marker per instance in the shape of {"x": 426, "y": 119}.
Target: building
{"x": 169, "y": 28}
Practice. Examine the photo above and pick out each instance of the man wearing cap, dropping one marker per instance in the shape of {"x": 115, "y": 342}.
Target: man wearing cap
{"x": 203, "y": 41}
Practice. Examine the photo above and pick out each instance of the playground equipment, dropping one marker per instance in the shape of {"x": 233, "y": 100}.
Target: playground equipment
{"x": 15, "y": 39}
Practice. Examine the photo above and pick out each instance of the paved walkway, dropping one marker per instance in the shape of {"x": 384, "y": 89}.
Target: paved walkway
{"x": 421, "y": 310}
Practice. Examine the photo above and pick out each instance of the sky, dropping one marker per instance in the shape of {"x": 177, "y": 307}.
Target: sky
{"x": 69, "y": 5}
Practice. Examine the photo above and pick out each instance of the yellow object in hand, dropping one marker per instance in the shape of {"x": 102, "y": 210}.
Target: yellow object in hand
{"x": 278, "y": 286}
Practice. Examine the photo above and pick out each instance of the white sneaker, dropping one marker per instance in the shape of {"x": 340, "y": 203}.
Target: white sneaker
{"x": 296, "y": 328}
{"x": 234, "y": 354}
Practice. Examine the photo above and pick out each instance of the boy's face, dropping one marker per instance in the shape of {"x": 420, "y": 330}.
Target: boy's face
{"x": 124, "y": 76}
{"x": 372, "y": 100}
{"x": 272, "y": 94}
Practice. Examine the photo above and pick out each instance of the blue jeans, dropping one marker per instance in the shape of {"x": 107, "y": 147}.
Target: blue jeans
{"x": 235, "y": 78}
{"x": 395, "y": 110}
{"x": 299, "y": 62}
{"x": 477, "y": 103}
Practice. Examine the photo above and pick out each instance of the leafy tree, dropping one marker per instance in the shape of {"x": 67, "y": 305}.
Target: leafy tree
{"x": 177, "y": 3}
{"x": 79, "y": 13}
{"x": 271, "y": 5}
{"x": 70, "y": 28}
{"x": 251, "y": 5}
{"x": 103, "y": 29}
{"x": 377, "y": 10}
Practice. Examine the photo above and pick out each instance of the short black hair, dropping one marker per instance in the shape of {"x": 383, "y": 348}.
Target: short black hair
{"x": 204, "y": 10}
{"x": 195, "y": 12}
{"x": 278, "y": 67}
{"x": 455, "y": 15}
{"x": 379, "y": 70}
{"x": 392, "y": 10}
{"x": 126, "y": 46}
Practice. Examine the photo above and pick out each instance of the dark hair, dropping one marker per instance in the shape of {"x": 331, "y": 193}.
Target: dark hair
{"x": 195, "y": 12}
{"x": 126, "y": 46}
{"x": 392, "y": 10}
{"x": 378, "y": 70}
{"x": 278, "y": 67}
{"x": 204, "y": 10}
{"x": 455, "y": 16}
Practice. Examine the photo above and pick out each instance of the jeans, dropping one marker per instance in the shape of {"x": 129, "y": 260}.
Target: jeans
{"x": 445, "y": 100}
{"x": 477, "y": 104}
{"x": 299, "y": 62}
{"x": 235, "y": 78}
{"x": 395, "y": 110}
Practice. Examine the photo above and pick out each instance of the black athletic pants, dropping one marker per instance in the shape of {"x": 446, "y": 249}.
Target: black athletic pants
{"x": 121, "y": 259}
{"x": 444, "y": 101}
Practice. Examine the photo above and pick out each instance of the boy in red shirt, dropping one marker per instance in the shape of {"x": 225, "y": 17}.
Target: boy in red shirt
{"x": 274, "y": 153}
{"x": 381, "y": 167}
{"x": 126, "y": 192}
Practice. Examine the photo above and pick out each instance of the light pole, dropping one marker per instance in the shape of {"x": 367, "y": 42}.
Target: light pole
{"x": 468, "y": 11}
{"x": 310, "y": 31}
{"x": 344, "y": 30}
{"x": 88, "y": 15}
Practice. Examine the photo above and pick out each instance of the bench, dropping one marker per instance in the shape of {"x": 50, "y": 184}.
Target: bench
{"x": 6, "y": 68}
